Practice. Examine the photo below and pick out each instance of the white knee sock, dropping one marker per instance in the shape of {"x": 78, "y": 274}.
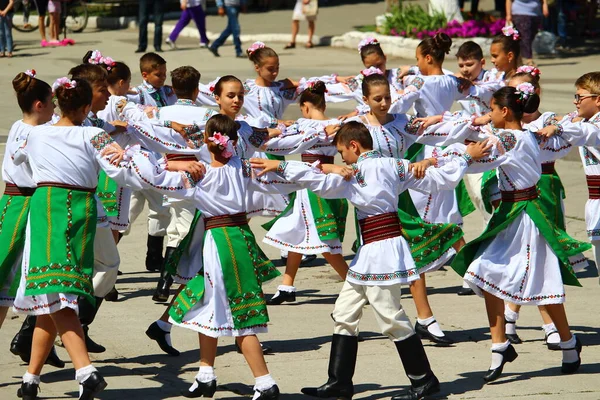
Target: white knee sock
{"x": 434, "y": 328}
{"x": 263, "y": 383}
{"x": 497, "y": 358}
{"x": 552, "y": 335}
{"x": 31, "y": 378}
{"x": 569, "y": 356}
{"x": 510, "y": 316}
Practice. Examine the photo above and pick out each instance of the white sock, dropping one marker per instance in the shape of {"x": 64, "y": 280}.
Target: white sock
{"x": 283, "y": 253}
{"x": 496, "y": 357}
{"x": 510, "y": 316}
{"x": 285, "y": 288}
{"x": 417, "y": 377}
{"x": 263, "y": 383}
{"x": 434, "y": 328}
{"x": 552, "y": 335}
{"x": 206, "y": 374}
{"x": 31, "y": 378}
{"x": 569, "y": 356}
{"x": 465, "y": 285}
{"x": 82, "y": 374}
{"x": 165, "y": 326}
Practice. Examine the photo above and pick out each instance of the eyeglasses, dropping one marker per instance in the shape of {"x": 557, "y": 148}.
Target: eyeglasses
{"x": 579, "y": 97}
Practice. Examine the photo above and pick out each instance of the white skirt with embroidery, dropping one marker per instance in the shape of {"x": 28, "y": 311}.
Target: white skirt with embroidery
{"x": 441, "y": 208}
{"x": 592, "y": 218}
{"x": 39, "y": 304}
{"x": 519, "y": 266}
{"x": 265, "y": 204}
{"x": 296, "y": 231}
{"x": 212, "y": 315}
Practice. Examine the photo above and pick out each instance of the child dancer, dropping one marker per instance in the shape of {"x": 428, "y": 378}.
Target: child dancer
{"x": 520, "y": 241}
{"x": 311, "y": 225}
{"x": 383, "y": 262}
{"x": 190, "y": 9}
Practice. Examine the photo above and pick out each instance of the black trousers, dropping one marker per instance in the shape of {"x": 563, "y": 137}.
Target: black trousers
{"x": 156, "y": 8}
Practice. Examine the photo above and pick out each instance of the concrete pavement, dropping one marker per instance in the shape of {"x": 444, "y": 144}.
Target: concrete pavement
{"x": 134, "y": 366}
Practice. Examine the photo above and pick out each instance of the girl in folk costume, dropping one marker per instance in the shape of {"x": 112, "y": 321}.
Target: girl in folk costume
{"x": 384, "y": 261}
{"x": 431, "y": 244}
{"x": 57, "y": 269}
{"x": 310, "y": 225}
{"x": 226, "y": 299}
{"x": 522, "y": 257}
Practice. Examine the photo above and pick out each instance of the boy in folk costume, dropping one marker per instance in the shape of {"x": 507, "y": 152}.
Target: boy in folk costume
{"x": 384, "y": 261}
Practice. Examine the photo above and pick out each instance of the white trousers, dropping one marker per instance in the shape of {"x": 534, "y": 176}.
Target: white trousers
{"x": 385, "y": 301}
{"x": 182, "y": 215}
{"x": 158, "y": 214}
{"x": 106, "y": 262}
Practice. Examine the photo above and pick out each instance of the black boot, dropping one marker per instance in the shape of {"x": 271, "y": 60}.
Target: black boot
{"x": 21, "y": 343}
{"x": 92, "y": 386}
{"x": 342, "y": 361}
{"x": 154, "y": 254}
{"x": 162, "y": 292}
{"x": 203, "y": 390}
{"x": 28, "y": 391}
{"x": 415, "y": 363}
{"x": 87, "y": 314}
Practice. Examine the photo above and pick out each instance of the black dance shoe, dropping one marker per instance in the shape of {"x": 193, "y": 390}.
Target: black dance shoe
{"x": 155, "y": 333}
{"x": 271, "y": 393}
{"x": 280, "y": 297}
{"x": 28, "y": 391}
{"x": 508, "y": 355}
{"x": 465, "y": 291}
{"x": 552, "y": 346}
{"x": 420, "y": 389}
{"x": 570, "y": 368}
{"x": 92, "y": 347}
{"x": 512, "y": 337}
{"x": 92, "y": 386}
{"x": 424, "y": 333}
{"x": 207, "y": 389}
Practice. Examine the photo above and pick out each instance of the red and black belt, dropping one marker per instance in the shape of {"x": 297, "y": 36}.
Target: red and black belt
{"x": 14, "y": 190}
{"x": 222, "y": 221}
{"x": 593, "y": 183}
{"x": 519, "y": 195}
{"x": 548, "y": 168}
{"x": 311, "y": 158}
{"x": 380, "y": 227}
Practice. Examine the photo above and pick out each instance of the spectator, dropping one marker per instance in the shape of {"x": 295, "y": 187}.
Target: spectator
{"x": 526, "y": 16}
{"x": 305, "y": 10}
{"x": 6, "y": 41}
{"x": 191, "y": 9}
{"x": 474, "y": 6}
{"x": 143, "y": 17}
{"x": 54, "y": 11}
{"x": 231, "y": 8}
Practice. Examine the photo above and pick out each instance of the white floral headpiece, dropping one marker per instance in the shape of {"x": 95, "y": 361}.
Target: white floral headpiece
{"x": 366, "y": 42}
{"x": 64, "y": 82}
{"x": 371, "y": 71}
{"x": 524, "y": 91}
{"x": 511, "y": 31}
{"x": 31, "y": 73}
{"x": 255, "y": 46}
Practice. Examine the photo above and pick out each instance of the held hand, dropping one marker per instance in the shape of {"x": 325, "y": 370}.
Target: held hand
{"x": 343, "y": 79}
{"x": 150, "y": 111}
{"x": 194, "y": 168}
{"x": 547, "y": 132}
{"x": 464, "y": 85}
{"x": 289, "y": 83}
{"x": 418, "y": 168}
{"x": 403, "y": 71}
{"x": 286, "y": 122}
{"x": 264, "y": 164}
{"x": 545, "y": 10}
{"x": 274, "y": 132}
{"x": 306, "y": 2}
{"x": 349, "y": 115}
{"x": 114, "y": 153}
{"x": 221, "y": 11}
{"x": 346, "y": 172}
{"x": 120, "y": 126}
{"x": 181, "y": 129}
{"x": 483, "y": 120}
{"x": 479, "y": 150}
{"x": 426, "y": 122}
{"x": 331, "y": 130}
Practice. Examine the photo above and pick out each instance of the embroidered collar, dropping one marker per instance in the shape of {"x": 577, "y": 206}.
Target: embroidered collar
{"x": 595, "y": 119}
{"x": 149, "y": 88}
{"x": 185, "y": 102}
{"x": 368, "y": 154}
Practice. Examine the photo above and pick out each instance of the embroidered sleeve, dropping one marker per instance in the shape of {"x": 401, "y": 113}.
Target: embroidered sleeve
{"x": 258, "y": 137}
{"x": 401, "y": 169}
{"x": 101, "y": 141}
{"x": 360, "y": 179}
{"x": 468, "y": 158}
{"x": 508, "y": 140}
{"x": 246, "y": 168}
{"x": 281, "y": 168}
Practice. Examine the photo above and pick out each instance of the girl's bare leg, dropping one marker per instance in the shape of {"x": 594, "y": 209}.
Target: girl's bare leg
{"x": 3, "y": 312}
{"x": 71, "y": 333}
{"x": 250, "y": 346}
{"x": 338, "y": 263}
{"x": 43, "y": 340}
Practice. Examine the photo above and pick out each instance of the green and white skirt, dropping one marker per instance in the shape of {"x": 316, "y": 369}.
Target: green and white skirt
{"x": 58, "y": 257}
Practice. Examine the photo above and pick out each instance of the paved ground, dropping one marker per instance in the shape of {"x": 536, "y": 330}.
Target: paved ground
{"x": 300, "y": 333}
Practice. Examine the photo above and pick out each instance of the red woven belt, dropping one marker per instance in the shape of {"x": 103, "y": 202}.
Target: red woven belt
{"x": 311, "y": 158}
{"x": 66, "y": 186}
{"x": 593, "y": 183}
{"x": 519, "y": 195}
{"x": 380, "y": 227}
{"x": 548, "y": 168}
{"x": 221, "y": 221}
{"x": 14, "y": 190}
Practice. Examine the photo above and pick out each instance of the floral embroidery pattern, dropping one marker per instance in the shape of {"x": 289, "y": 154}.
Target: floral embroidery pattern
{"x": 508, "y": 140}
{"x": 101, "y": 140}
{"x": 512, "y": 296}
{"x": 401, "y": 169}
{"x": 246, "y": 168}
{"x": 360, "y": 179}
{"x": 281, "y": 168}
{"x": 382, "y": 277}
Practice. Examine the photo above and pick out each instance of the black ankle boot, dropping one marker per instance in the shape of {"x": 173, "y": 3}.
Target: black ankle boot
{"x": 28, "y": 391}
{"x": 154, "y": 254}
{"x": 342, "y": 361}
{"x": 415, "y": 363}
{"x": 271, "y": 393}
{"x": 162, "y": 292}
{"x": 207, "y": 389}
{"x": 508, "y": 355}
{"x": 54, "y": 360}
{"x": 92, "y": 386}
{"x": 87, "y": 314}
{"x": 21, "y": 343}
{"x": 92, "y": 347}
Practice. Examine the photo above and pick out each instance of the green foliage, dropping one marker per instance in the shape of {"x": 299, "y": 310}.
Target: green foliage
{"x": 408, "y": 20}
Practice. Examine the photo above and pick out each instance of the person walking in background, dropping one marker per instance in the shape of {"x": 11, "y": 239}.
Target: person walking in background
{"x": 191, "y": 9}
{"x": 145, "y": 7}
{"x": 305, "y": 10}
{"x": 232, "y": 9}
{"x": 6, "y": 40}
{"x": 526, "y": 16}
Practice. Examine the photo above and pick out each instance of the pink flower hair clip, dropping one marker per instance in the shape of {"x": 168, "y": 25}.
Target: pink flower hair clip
{"x": 31, "y": 73}
{"x": 528, "y": 69}
{"x": 95, "y": 58}
{"x": 223, "y": 142}
{"x": 109, "y": 62}
{"x": 524, "y": 90}
{"x": 310, "y": 85}
{"x": 366, "y": 42}
{"x": 255, "y": 46}
{"x": 511, "y": 31}
{"x": 371, "y": 71}
{"x": 64, "y": 82}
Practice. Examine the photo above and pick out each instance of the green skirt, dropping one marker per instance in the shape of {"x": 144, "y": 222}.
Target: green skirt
{"x": 63, "y": 227}
{"x": 552, "y": 192}
{"x": 107, "y": 193}
{"x": 13, "y": 221}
